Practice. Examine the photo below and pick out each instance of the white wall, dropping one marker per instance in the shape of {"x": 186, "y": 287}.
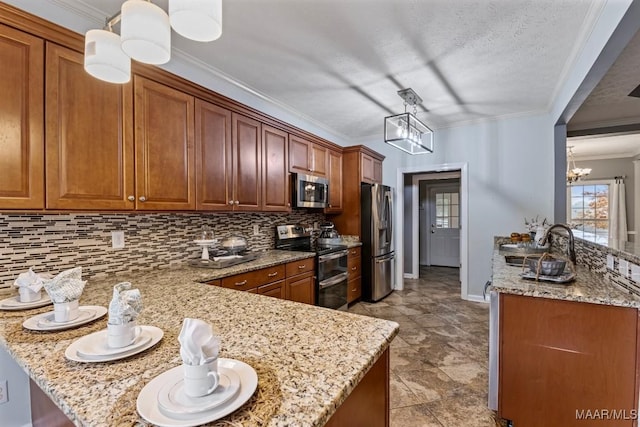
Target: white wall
{"x": 16, "y": 412}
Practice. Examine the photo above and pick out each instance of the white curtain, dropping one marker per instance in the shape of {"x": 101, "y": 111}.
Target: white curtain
{"x": 618, "y": 229}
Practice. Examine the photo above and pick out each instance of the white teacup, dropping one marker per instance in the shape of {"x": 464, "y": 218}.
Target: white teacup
{"x": 65, "y": 311}
{"x": 200, "y": 380}
{"x": 27, "y": 295}
{"x": 122, "y": 335}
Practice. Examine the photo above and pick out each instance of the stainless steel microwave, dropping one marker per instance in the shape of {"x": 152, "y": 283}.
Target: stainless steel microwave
{"x": 310, "y": 191}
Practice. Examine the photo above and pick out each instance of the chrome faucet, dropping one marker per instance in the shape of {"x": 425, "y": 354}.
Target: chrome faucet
{"x": 571, "y": 248}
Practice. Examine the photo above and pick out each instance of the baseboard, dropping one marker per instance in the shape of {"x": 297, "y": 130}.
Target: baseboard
{"x": 478, "y": 298}
{"x": 410, "y": 276}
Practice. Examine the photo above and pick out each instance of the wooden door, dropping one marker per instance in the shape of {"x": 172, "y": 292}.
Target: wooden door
{"x": 335, "y": 182}
{"x": 164, "y": 141}
{"x": 301, "y": 288}
{"x": 247, "y": 155}
{"x": 275, "y": 170}
{"x": 89, "y": 138}
{"x": 22, "y": 124}
{"x": 318, "y": 160}
{"x": 214, "y": 157}
{"x": 299, "y": 154}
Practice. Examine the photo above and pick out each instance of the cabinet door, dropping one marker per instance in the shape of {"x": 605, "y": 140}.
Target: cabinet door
{"x": 275, "y": 290}
{"x": 335, "y": 182}
{"x": 214, "y": 172}
{"x": 299, "y": 154}
{"x": 275, "y": 170}
{"x": 164, "y": 142}
{"x": 377, "y": 171}
{"x": 21, "y": 126}
{"x": 247, "y": 155}
{"x": 354, "y": 289}
{"x": 368, "y": 174}
{"x": 89, "y": 138}
{"x": 301, "y": 288}
{"x": 318, "y": 160}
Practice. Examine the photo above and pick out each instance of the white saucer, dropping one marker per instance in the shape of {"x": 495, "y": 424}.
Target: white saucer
{"x": 71, "y": 352}
{"x": 174, "y": 402}
{"x": 14, "y": 303}
{"x": 94, "y": 346}
{"x": 148, "y": 407}
{"x": 44, "y": 321}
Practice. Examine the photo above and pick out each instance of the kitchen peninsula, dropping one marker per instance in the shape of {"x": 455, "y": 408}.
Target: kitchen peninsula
{"x": 313, "y": 364}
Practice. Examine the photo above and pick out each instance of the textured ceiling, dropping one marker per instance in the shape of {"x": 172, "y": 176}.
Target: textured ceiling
{"x": 341, "y": 62}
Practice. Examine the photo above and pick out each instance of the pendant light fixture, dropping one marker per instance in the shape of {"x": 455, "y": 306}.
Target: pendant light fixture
{"x": 405, "y": 131}
{"x": 145, "y": 35}
{"x": 573, "y": 173}
{"x": 199, "y": 20}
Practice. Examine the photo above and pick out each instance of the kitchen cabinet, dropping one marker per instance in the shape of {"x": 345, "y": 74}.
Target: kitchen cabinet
{"x": 276, "y": 290}
{"x": 307, "y": 157}
{"x": 254, "y": 279}
{"x": 371, "y": 169}
{"x": 89, "y": 137}
{"x": 22, "y": 124}
{"x": 354, "y": 279}
{"x": 164, "y": 147}
{"x": 557, "y": 358}
{"x": 335, "y": 182}
{"x": 247, "y": 163}
{"x": 301, "y": 281}
{"x": 276, "y": 195}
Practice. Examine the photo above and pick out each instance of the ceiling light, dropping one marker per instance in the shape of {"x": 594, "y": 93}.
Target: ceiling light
{"x": 199, "y": 20}
{"x": 103, "y": 57}
{"x": 145, "y": 32}
{"x": 573, "y": 173}
{"x": 405, "y": 131}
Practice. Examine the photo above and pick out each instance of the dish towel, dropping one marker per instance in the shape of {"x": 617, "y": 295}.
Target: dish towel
{"x": 66, "y": 286}
{"x": 198, "y": 345}
{"x": 126, "y": 304}
{"x": 31, "y": 280}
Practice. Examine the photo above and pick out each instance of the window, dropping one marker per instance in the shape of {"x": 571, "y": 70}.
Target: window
{"x": 447, "y": 210}
{"x": 588, "y": 210}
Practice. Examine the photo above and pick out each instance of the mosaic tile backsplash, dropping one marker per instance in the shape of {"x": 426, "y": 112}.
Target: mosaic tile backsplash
{"x": 52, "y": 242}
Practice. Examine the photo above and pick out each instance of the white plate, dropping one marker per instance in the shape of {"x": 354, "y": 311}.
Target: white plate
{"x": 94, "y": 345}
{"x": 71, "y": 352}
{"x": 174, "y": 402}
{"x": 14, "y": 304}
{"x": 44, "y": 322}
{"x": 148, "y": 407}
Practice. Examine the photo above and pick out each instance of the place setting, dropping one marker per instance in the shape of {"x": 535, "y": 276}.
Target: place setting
{"x": 201, "y": 390}
{"x": 123, "y": 337}
{"x": 30, "y": 295}
{"x": 64, "y": 291}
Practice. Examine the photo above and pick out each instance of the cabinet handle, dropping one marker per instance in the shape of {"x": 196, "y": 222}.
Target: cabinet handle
{"x": 237, "y": 202}
{"x": 329, "y": 204}
{"x": 353, "y": 252}
{"x": 353, "y": 268}
{"x": 142, "y": 199}
{"x": 244, "y": 282}
{"x": 353, "y": 290}
{"x": 230, "y": 202}
{"x": 302, "y": 266}
{"x": 131, "y": 198}
{"x": 273, "y": 274}
{"x": 288, "y": 204}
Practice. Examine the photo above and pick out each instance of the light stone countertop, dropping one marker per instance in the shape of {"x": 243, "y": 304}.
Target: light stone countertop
{"x": 587, "y": 287}
{"x": 308, "y": 358}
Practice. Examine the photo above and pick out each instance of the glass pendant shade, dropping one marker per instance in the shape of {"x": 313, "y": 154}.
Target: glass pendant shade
{"x": 406, "y": 132}
{"x": 103, "y": 57}
{"x": 199, "y": 20}
{"x": 145, "y": 32}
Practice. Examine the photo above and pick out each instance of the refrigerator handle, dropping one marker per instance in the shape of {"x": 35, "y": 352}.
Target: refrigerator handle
{"x": 390, "y": 215}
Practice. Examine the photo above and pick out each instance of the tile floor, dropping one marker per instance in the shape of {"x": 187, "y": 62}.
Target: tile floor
{"x": 439, "y": 360}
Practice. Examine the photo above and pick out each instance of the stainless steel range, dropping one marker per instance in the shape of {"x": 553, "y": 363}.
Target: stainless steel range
{"x": 331, "y": 264}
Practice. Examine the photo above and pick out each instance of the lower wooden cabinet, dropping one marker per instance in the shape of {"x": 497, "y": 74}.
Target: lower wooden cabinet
{"x": 276, "y": 290}
{"x": 354, "y": 281}
{"x": 354, "y": 289}
{"x": 301, "y": 288}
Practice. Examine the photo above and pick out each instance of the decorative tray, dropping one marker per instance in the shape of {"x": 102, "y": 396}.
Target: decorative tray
{"x": 225, "y": 261}
{"x": 565, "y": 277}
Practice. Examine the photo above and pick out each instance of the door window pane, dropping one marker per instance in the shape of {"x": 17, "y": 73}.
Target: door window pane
{"x": 447, "y": 210}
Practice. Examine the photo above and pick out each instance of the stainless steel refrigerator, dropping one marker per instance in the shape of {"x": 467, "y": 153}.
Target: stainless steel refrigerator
{"x": 378, "y": 257}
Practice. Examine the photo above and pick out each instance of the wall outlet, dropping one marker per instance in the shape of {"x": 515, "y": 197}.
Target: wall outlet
{"x": 315, "y": 225}
{"x": 4, "y": 391}
{"x": 256, "y": 229}
{"x": 611, "y": 261}
{"x": 623, "y": 267}
{"x": 117, "y": 239}
{"x": 635, "y": 272}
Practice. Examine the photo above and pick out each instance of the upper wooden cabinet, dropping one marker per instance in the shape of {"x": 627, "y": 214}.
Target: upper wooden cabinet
{"x": 89, "y": 137}
{"x": 371, "y": 169}
{"x": 335, "y": 182}
{"x": 275, "y": 170}
{"x": 21, "y": 126}
{"x": 305, "y": 156}
{"x": 164, "y": 140}
{"x": 247, "y": 163}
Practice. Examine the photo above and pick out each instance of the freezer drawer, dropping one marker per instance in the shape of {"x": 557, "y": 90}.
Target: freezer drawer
{"x": 382, "y": 277}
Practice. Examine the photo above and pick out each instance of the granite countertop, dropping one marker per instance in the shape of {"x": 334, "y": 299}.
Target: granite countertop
{"x": 587, "y": 287}
{"x": 308, "y": 359}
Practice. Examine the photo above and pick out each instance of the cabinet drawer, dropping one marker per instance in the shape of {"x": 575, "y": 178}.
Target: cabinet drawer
{"x": 353, "y": 252}
{"x": 276, "y": 290}
{"x": 354, "y": 267}
{"x": 299, "y": 267}
{"x": 216, "y": 282}
{"x": 354, "y": 289}
{"x": 253, "y": 279}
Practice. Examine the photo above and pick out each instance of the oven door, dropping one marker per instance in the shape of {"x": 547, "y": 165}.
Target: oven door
{"x": 310, "y": 191}
{"x": 332, "y": 293}
{"x": 332, "y": 264}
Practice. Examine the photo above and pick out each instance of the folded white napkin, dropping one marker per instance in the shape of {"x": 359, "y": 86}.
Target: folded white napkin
{"x": 66, "y": 286}
{"x": 125, "y": 305}
{"x": 31, "y": 280}
{"x": 198, "y": 345}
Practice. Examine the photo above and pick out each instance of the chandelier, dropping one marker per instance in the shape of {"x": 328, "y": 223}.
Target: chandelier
{"x": 573, "y": 173}
{"x": 405, "y": 131}
{"x": 145, "y": 35}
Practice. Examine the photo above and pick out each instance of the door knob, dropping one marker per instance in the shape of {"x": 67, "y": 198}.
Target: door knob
{"x": 142, "y": 199}
{"x": 131, "y": 198}
{"x": 433, "y": 228}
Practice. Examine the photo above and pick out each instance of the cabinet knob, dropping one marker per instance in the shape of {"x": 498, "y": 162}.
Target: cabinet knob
{"x": 274, "y": 274}
{"x": 329, "y": 204}
{"x": 237, "y": 202}
{"x": 288, "y": 204}
{"x": 244, "y": 282}
{"x": 302, "y": 266}
{"x": 131, "y": 198}
{"x": 353, "y": 268}
{"x": 142, "y": 199}
{"x": 230, "y": 202}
